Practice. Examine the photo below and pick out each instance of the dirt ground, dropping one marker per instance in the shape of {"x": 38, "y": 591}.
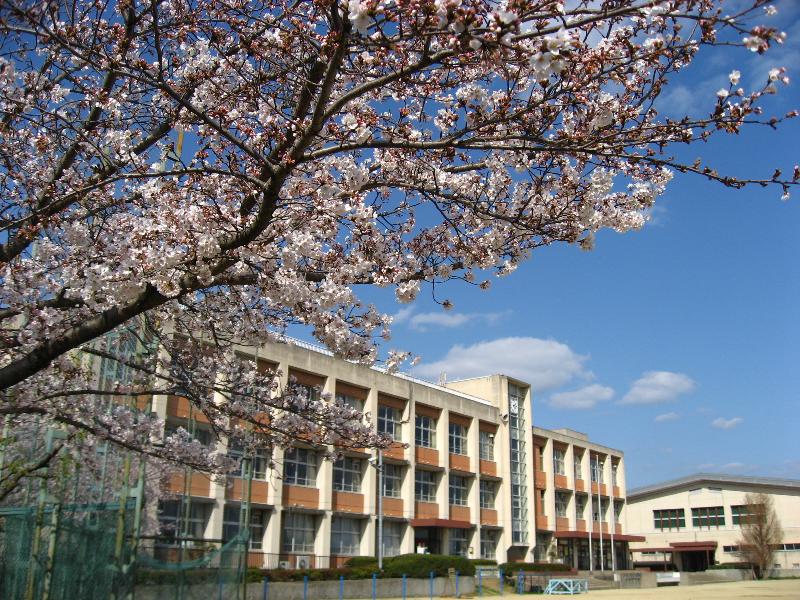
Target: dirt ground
{"x": 783, "y": 589}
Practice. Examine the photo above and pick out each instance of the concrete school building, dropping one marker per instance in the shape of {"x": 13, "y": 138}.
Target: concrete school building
{"x": 694, "y": 522}
{"x": 468, "y": 475}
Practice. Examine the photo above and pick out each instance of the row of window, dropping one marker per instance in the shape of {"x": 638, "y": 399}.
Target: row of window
{"x": 300, "y": 531}
{"x": 559, "y": 466}
{"x": 778, "y": 548}
{"x": 706, "y": 517}
{"x": 562, "y": 505}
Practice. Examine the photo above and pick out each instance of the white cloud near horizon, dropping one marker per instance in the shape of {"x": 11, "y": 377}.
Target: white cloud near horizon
{"x": 586, "y": 397}
{"x": 723, "y": 423}
{"x": 655, "y": 387}
{"x": 421, "y": 321}
{"x": 545, "y": 364}
{"x": 670, "y": 416}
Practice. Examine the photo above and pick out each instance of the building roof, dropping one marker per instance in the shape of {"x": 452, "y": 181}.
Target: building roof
{"x": 581, "y": 439}
{"x": 712, "y": 478}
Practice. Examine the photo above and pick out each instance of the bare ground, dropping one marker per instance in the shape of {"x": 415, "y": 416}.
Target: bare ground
{"x": 783, "y": 589}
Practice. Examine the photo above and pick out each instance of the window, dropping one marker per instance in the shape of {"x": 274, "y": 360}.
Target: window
{"x": 298, "y": 532}
{"x": 300, "y": 467}
{"x": 577, "y": 465}
{"x": 196, "y": 431}
{"x": 486, "y": 445}
{"x": 347, "y": 474}
{"x": 392, "y": 480}
{"x": 312, "y": 392}
{"x": 668, "y": 519}
{"x": 708, "y": 517}
{"x": 425, "y": 486}
{"x": 558, "y": 461}
{"x": 458, "y": 490}
{"x": 580, "y": 507}
{"x": 351, "y": 401}
{"x": 739, "y": 514}
{"x": 488, "y": 543}
{"x": 730, "y": 548}
{"x": 562, "y": 500}
{"x": 260, "y": 460}
{"x": 458, "y": 542}
{"x": 614, "y": 468}
{"x": 230, "y": 525}
{"x": 488, "y": 493}
{"x": 389, "y": 421}
{"x": 174, "y": 525}
{"x": 392, "y": 538}
{"x": 345, "y": 536}
{"x": 458, "y": 439}
{"x": 425, "y": 431}
{"x": 597, "y": 471}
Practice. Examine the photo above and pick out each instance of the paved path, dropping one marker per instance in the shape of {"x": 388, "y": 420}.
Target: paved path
{"x": 782, "y": 589}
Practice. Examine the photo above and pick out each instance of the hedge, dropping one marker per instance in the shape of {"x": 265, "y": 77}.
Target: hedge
{"x": 482, "y": 562}
{"x": 421, "y": 565}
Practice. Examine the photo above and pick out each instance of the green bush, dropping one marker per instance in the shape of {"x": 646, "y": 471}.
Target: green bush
{"x": 363, "y": 561}
{"x": 513, "y": 568}
{"x": 481, "y": 562}
{"x": 420, "y": 565}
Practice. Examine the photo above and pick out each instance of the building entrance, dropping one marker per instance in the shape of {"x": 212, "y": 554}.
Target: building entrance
{"x": 429, "y": 538}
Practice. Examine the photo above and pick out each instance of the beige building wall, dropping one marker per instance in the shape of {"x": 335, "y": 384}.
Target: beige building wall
{"x": 700, "y": 492}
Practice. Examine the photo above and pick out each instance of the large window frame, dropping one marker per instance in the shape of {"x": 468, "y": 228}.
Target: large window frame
{"x": 392, "y": 480}
{"x": 389, "y": 421}
{"x": 425, "y": 431}
{"x": 424, "y": 486}
{"x": 489, "y": 543}
{"x": 345, "y": 536}
{"x": 486, "y": 445}
{"x": 351, "y": 401}
{"x": 562, "y": 503}
{"x": 392, "y": 538}
{"x": 558, "y": 461}
{"x": 459, "y": 542}
{"x": 299, "y": 532}
{"x": 708, "y": 517}
{"x": 488, "y": 493}
{"x": 458, "y": 490}
{"x": 260, "y": 461}
{"x": 577, "y": 465}
{"x": 669, "y": 519}
{"x": 457, "y": 435}
{"x": 347, "y": 473}
{"x": 300, "y": 467}
{"x": 230, "y": 525}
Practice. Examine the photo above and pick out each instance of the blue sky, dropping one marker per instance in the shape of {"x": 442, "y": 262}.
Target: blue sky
{"x": 677, "y": 344}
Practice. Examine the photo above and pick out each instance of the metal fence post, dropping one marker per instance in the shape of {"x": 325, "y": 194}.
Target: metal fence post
{"x": 431, "y": 585}
{"x": 404, "y": 586}
{"x": 519, "y": 582}
{"x": 341, "y": 587}
{"x": 456, "y": 584}
{"x": 374, "y": 586}
{"x": 305, "y": 587}
{"x": 265, "y": 589}
{"x": 480, "y": 582}
{"x": 500, "y": 574}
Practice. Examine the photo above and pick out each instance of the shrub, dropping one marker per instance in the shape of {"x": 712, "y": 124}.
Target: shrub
{"x": 363, "y": 561}
{"x": 421, "y": 565}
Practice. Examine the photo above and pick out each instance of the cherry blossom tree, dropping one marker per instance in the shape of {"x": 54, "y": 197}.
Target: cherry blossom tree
{"x": 225, "y": 168}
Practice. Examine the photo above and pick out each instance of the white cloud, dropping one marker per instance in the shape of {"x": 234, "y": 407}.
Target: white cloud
{"x": 421, "y": 321}
{"x": 655, "y": 387}
{"x": 670, "y": 416}
{"x": 442, "y": 318}
{"x": 545, "y": 364}
{"x": 585, "y": 397}
{"x": 723, "y": 423}
{"x": 402, "y": 315}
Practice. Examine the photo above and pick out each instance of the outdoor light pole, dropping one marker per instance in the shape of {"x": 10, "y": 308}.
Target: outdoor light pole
{"x": 380, "y": 510}
{"x": 379, "y": 468}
